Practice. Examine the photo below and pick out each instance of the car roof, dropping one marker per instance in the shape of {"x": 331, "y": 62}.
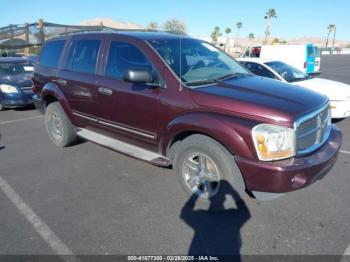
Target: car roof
{"x": 255, "y": 59}
{"x": 141, "y": 35}
{"x": 13, "y": 59}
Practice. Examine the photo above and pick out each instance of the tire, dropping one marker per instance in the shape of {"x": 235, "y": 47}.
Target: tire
{"x": 60, "y": 129}
{"x": 220, "y": 173}
{"x": 2, "y": 108}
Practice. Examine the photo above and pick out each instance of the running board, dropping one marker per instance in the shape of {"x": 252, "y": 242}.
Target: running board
{"x": 124, "y": 148}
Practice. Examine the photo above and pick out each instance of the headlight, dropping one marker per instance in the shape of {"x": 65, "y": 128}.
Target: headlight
{"x": 273, "y": 142}
{"x": 8, "y": 89}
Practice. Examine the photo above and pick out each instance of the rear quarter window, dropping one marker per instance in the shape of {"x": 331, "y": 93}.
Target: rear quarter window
{"x": 51, "y": 53}
{"x": 82, "y": 56}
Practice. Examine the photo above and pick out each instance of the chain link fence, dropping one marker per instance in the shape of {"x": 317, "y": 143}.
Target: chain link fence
{"x": 27, "y": 38}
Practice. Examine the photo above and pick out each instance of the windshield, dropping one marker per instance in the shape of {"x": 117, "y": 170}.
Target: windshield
{"x": 289, "y": 73}
{"x": 198, "y": 62}
{"x": 15, "y": 68}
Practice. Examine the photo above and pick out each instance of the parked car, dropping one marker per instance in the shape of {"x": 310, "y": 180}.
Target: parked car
{"x": 15, "y": 82}
{"x": 337, "y": 92}
{"x": 306, "y": 58}
{"x": 190, "y": 106}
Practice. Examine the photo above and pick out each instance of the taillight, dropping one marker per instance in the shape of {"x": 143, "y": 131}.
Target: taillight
{"x": 304, "y": 64}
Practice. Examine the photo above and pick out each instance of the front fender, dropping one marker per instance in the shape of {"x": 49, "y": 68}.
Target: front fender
{"x": 232, "y": 132}
{"x": 51, "y": 89}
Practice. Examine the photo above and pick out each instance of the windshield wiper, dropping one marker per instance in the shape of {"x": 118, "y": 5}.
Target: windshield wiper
{"x": 231, "y": 75}
{"x": 200, "y": 82}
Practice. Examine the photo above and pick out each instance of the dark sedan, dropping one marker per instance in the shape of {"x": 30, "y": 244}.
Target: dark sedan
{"x": 15, "y": 82}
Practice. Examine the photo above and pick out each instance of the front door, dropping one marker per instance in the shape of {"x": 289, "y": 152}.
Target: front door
{"x": 129, "y": 108}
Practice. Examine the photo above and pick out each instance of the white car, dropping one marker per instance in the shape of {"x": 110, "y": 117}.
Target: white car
{"x": 337, "y": 92}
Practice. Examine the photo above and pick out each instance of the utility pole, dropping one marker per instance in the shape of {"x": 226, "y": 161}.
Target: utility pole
{"x": 41, "y": 31}
{"x": 335, "y": 30}
{"x": 26, "y": 31}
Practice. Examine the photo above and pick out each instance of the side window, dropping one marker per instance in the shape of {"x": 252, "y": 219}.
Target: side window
{"x": 82, "y": 56}
{"x": 51, "y": 53}
{"x": 124, "y": 56}
{"x": 310, "y": 51}
{"x": 259, "y": 70}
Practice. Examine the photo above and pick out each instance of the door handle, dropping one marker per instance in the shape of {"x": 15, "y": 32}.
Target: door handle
{"x": 61, "y": 81}
{"x": 105, "y": 91}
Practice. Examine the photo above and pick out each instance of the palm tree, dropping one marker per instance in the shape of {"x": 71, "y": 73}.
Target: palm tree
{"x": 152, "y": 26}
{"x": 215, "y": 34}
{"x": 271, "y": 13}
{"x": 239, "y": 26}
{"x": 331, "y": 28}
{"x": 251, "y": 36}
{"x": 227, "y": 31}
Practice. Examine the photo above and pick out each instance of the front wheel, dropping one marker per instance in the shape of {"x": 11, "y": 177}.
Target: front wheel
{"x": 207, "y": 171}
{"x": 60, "y": 129}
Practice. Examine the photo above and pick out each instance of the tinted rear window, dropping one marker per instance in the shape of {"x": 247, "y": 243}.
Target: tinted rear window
{"x": 82, "y": 56}
{"x": 51, "y": 53}
{"x": 310, "y": 51}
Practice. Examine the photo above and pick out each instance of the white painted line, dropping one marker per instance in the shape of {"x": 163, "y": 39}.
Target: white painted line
{"x": 344, "y": 152}
{"x": 347, "y": 251}
{"x": 41, "y": 228}
{"x": 346, "y": 255}
{"x": 19, "y": 120}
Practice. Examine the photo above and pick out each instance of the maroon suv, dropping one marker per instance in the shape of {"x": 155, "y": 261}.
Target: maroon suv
{"x": 173, "y": 100}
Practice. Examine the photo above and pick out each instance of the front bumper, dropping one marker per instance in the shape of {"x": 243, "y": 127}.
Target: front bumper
{"x": 294, "y": 173}
{"x": 38, "y": 102}
{"x": 340, "y": 109}
{"x": 16, "y": 100}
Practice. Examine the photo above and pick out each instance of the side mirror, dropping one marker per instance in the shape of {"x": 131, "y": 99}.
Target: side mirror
{"x": 140, "y": 76}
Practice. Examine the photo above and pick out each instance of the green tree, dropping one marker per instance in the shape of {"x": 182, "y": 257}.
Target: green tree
{"x": 228, "y": 30}
{"x": 175, "y": 25}
{"x": 239, "y": 25}
{"x": 251, "y": 36}
{"x": 215, "y": 34}
{"x": 271, "y": 13}
{"x": 152, "y": 26}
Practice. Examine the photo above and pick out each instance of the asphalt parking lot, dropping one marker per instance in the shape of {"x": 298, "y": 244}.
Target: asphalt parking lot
{"x": 87, "y": 199}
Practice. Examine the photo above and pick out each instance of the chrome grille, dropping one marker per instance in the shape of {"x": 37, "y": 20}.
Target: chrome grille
{"x": 27, "y": 89}
{"x": 313, "y": 130}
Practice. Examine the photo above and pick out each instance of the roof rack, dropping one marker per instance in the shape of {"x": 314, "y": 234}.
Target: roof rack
{"x": 111, "y": 29}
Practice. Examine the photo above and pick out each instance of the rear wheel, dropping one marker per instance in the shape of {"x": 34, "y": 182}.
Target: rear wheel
{"x": 60, "y": 129}
{"x": 206, "y": 170}
{"x": 2, "y": 107}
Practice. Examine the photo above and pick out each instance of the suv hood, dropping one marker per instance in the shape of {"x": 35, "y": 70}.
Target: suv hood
{"x": 259, "y": 98}
{"x": 21, "y": 80}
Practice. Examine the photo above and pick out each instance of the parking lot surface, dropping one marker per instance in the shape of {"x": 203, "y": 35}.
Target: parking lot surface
{"x": 86, "y": 199}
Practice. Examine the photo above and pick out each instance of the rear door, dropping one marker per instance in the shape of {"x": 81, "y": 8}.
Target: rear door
{"x": 317, "y": 59}
{"x": 310, "y": 59}
{"x": 78, "y": 77}
{"x": 131, "y": 109}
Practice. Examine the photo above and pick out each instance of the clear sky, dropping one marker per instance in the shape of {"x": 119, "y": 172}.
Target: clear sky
{"x": 296, "y": 18}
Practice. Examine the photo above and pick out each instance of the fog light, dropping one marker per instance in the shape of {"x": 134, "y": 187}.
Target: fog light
{"x": 298, "y": 181}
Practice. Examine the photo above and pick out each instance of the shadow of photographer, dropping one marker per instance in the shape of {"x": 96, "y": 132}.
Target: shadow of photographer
{"x": 216, "y": 232}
